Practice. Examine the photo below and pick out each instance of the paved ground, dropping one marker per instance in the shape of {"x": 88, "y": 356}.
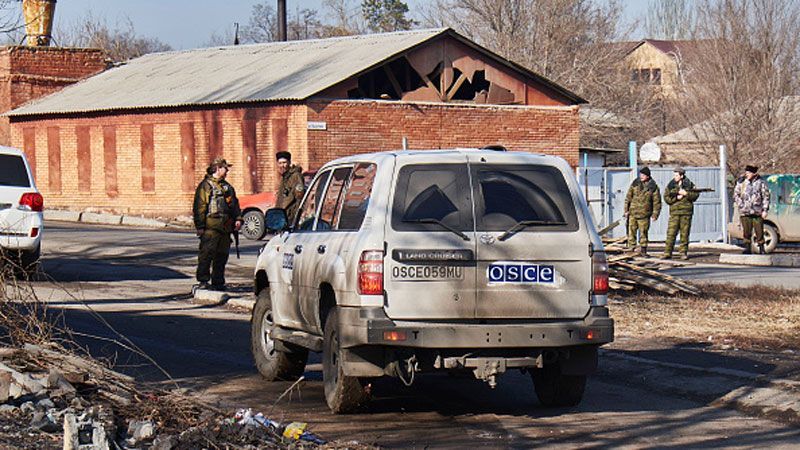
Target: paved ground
{"x": 137, "y": 284}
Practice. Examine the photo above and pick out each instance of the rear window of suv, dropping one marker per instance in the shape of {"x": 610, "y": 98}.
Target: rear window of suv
{"x": 507, "y": 195}
{"x": 13, "y": 171}
{"x": 504, "y": 196}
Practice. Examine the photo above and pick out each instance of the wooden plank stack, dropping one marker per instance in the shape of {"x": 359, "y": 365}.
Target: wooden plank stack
{"x": 627, "y": 271}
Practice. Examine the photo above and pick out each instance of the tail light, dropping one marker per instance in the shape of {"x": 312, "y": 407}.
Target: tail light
{"x": 599, "y": 295}
{"x": 370, "y": 273}
{"x": 31, "y": 201}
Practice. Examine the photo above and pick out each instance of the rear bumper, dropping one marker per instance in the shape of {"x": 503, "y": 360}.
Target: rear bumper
{"x": 18, "y": 242}
{"x": 370, "y": 326}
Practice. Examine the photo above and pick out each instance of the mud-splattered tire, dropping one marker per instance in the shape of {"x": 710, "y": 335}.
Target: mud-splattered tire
{"x": 556, "y": 389}
{"x": 342, "y": 393}
{"x": 273, "y": 363}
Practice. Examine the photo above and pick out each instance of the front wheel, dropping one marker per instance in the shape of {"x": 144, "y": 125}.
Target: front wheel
{"x": 556, "y": 389}
{"x": 253, "y": 226}
{"x": 342, "y": 393}
{"x": 274, "y": 364}
{"x": 770, "y": 239}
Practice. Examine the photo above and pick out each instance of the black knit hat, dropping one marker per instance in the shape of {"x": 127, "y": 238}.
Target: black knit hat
{"x": 751, "y": 169}
{"x": 645, "y": 170}
{"x": 284, "y": 155}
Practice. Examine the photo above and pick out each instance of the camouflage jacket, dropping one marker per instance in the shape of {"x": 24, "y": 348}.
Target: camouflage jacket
{"x": 215, "y": 205}
{"x": 751, "y": 196}
{"x": 290, "y": 191}
{"x": 685, "y": 205}
{"x": 643, "y": 200}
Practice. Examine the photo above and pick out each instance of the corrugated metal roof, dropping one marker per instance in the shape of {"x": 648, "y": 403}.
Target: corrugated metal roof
{"x": 292, "y": 70}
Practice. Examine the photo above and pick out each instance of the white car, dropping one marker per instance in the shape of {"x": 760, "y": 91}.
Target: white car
{"x": 21, "y": 207}
{"x": 401, "y": 263}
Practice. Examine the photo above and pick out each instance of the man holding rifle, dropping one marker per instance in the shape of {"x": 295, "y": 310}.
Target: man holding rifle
{"x": 680, "y": 194}
{"x": 216, "y": 217}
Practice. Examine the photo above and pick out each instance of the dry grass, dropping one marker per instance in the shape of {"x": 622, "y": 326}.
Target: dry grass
{"x": 747, "y": 318}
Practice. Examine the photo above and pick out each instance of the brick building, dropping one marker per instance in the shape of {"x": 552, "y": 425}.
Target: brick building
{"x": 27, "y": 73}
{"x": 142, "y": 134}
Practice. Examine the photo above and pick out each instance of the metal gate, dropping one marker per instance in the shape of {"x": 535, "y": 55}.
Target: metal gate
{"x": 606, "y": 187}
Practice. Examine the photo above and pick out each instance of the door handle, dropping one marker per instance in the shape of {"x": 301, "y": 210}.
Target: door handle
{"x": 321, "y": 249}
{"x": 298, "y": 248}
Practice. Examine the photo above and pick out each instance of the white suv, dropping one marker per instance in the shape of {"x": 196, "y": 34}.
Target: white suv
{"x": 461, "y": 260}
{"x": 21, "y": 207}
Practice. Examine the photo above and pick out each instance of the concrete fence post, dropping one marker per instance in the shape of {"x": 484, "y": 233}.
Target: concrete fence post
{"x": 723, "y": 191}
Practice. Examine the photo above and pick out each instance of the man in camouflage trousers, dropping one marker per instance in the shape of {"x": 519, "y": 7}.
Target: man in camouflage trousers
{"x": 680, "y": 194}
{"x": 216, "y": 215}
{"x": 292, "y": 187}
{"x": 642, "y": 204}
{"x": 751, "y": 196}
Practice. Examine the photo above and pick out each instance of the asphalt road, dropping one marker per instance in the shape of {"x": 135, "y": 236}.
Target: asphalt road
{"x": 133, "y": 286}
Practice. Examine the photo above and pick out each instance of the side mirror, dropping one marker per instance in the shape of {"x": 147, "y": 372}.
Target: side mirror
{"x": 276, "y": 220}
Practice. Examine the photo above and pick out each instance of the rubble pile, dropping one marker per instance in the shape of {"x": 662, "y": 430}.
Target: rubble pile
{"x": 50, "y": 398}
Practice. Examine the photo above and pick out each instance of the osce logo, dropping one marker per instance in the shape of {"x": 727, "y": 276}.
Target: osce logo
{"x": 521, "y": 273}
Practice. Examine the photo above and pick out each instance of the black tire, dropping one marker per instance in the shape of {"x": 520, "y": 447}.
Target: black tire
{"x": 272, "y": 363}
{"x": 556, "y": 389}
{"x": 253, "y": 226}
{"x": 342, "y": 393}
{"x": 771, "y": 239}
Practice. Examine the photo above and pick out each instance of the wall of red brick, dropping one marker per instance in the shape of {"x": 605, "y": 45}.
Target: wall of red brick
{"x": 151, "y": 163}
{"x": 27, "y": 73}
{"x": 182, "y": 145}
{"x": 355, "y": 126}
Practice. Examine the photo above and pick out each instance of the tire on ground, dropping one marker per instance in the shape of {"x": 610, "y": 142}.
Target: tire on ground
{"x": 342, "y": 393}
{"x": 771, "y": 239}
{"x": 272, "y": 363}
{"x": 556, "y": 389}
{"x": 253, "y": 225}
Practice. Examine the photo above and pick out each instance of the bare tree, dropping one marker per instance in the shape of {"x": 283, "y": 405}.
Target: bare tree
{"x": 120, "y": 42}
{"x": 302, "y": 24}
{"x": 670, "y": 19}
{"x": 741, "y": 90}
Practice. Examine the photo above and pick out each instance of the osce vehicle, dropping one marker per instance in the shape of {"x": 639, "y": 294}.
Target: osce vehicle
{"x": 465, "y": 260}
{"x": 21, "y": 207}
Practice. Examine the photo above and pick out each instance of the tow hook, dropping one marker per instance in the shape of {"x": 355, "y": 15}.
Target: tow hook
{"x": 412, "y": 367}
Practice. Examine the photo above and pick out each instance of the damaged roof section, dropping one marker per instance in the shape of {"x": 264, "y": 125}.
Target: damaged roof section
{"x": 420, "y": 65}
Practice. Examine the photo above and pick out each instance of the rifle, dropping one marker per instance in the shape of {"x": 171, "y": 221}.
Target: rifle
{"x": 236, "y": 241}
{"x": 700, "y": 190}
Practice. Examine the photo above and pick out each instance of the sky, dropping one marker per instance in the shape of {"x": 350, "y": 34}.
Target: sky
{"x": 187, "y": 24}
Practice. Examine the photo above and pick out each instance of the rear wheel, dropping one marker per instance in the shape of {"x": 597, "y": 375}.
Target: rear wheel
{"x": 556, "y": 389}
{"x": 342, "y": 393}
{"x": 253, "y": 226}
{"x": 274, "y": 360}
{"x": 770, "y": 239}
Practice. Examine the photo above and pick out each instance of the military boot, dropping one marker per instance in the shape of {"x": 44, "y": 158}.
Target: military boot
{"x": 747, "y": 250}
{"x": 666, "y": 255}
{"x": 761, "y": 249}
{"x": 685, "y": 256}
{"x": 643, "y": 251}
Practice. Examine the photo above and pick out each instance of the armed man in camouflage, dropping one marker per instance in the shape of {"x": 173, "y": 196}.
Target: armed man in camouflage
{"x": 292, "y": 187}
{"x": 680, "y": 194}
{"x": 216, "y": 216}
{"x": 642, "y": 204}
{"x": 751, "y": 196}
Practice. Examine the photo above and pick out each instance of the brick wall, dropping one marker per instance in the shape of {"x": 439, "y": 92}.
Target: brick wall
{"x": 355, "y": 126}
{"x": 151, "y": 163}
{"x": 27, "y": 73}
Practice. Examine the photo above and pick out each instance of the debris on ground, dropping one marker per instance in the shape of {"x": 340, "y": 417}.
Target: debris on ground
{"x": 628, "y": 270}
{"x": 55, "y": 399}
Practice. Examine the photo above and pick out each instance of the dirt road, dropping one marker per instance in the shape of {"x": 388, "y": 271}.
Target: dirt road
{"x": 138, "y": 282}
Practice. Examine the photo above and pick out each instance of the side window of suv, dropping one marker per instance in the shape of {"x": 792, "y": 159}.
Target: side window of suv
{"x": 330, "y": 204}
{"x": 308, "y": 210}
{"x": 356, "y": 197}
